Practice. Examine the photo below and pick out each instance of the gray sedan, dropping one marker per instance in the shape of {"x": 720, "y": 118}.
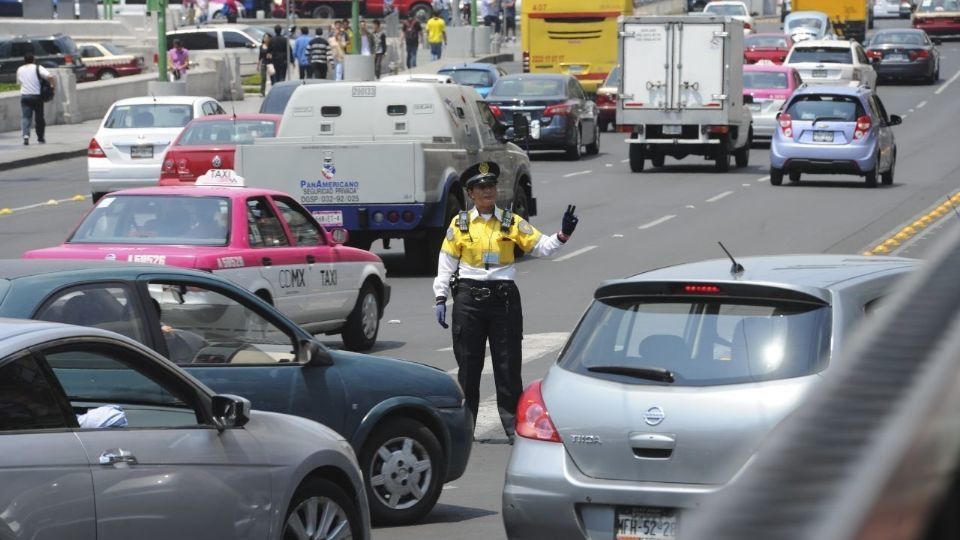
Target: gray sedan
{"x": 904, "y": 53}
{"x": 103, "y": 439}
{"x": 671, "y": 381}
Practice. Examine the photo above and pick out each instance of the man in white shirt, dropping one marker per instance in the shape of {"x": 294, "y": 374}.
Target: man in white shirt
{"x": 28, "y": 77}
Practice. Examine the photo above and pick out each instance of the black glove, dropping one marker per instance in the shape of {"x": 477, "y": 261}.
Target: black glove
{"x": 569, "y": 221}
{"x": 440, "y": 310}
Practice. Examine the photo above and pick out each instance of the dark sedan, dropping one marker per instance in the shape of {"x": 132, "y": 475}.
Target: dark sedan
{"x": 406, "y": 421}
{"x": 904, "y": 54}
{"x": 561, "y": 117}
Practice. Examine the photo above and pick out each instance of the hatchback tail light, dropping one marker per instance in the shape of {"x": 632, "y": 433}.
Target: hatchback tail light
{"x": 94, "y": 150}
{"x": 922, "y": 53}
{"x": 786, "y": 125}
{"x": 863, "y": 127}
{"x": 533, "y": 420}
{"x": 559, "y": 109}
{"x": 874, "y": 54}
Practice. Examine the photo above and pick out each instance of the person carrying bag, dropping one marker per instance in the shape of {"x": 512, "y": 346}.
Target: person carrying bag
{"x": 36, "y": 87}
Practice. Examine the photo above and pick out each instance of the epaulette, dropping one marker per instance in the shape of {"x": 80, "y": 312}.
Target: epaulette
{"x": 506, "y": 220}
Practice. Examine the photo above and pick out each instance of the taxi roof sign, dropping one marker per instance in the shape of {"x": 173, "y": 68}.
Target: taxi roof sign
{"x": 221, "y": 177}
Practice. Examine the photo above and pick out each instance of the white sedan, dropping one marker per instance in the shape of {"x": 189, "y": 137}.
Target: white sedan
{"x": 128, "y": 149}
{"x": 737, "y": 10}
{"x": 832, "y": 63}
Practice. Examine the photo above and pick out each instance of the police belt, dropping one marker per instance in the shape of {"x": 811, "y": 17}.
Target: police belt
{"x": 483, "y": 289}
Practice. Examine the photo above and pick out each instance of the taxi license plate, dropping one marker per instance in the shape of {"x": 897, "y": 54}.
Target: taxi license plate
{"x": 822, "y": 73}
{"x": 672, "y": 130}
{"x": 822, "y": 136}
{"x": 332, "y": 218}
{"x": 643, "y": 523}
{"x": 143, "y": 151}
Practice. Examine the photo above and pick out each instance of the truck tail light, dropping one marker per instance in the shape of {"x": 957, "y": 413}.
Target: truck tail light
{"x": 922, "y": 53}
{"x": 94, "y": 150}
{"x": 526, "y": 62}
{"x": 559, "y": 109}
{"x": 533, "y": 420}
{"x": 863, "y": 127}
{"x": 786, "y": 125}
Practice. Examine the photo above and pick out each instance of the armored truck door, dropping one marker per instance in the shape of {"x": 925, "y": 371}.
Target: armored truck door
{"x": 698, "y": 69}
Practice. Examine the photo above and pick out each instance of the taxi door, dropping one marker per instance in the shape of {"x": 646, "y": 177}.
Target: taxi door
{"x": 332, "y": 293}
{"x": 283, "y": 266}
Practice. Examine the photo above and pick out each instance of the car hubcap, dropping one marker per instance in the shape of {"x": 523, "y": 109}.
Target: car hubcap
{"x": 400, "y": 473}
{"x": 318, "y": 518}
{"x": 107, "y": 75}
{"x": 369, "y": 315}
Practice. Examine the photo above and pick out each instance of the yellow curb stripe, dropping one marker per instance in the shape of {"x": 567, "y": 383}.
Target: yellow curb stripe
{"x": 898, "y": 238}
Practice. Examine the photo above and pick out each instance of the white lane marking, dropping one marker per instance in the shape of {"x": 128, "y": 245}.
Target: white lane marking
{"x": 534, "y": 346}
{"x": 608, "y": 164}
{"x": 690, "y": 206}
{"x": 763, "y": 179}
{"x": 910, "y": 110}
{"x": 946, "y": 84}
{"x": 745, "y": 185}
{"x": 618, "y": 236}
{"x": 580, "y": 251}
{"x": 624, "y": 161}
{"x": 716, "y": 198}
{"x": 922, "y": 104}
{"x": 578, "y": 173}
{"x": 656, "y": 222}
{"x": 445, "y": 349}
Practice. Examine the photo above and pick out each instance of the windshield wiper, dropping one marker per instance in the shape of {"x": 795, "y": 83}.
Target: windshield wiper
{"x": 819, "y": 118}
{"x": 644, "y": 372}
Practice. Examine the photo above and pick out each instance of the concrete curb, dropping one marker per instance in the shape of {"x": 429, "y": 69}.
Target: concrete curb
{"x": 45, "y": 158}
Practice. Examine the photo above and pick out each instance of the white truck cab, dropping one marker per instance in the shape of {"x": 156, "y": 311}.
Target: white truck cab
{"x": 383, "y": 159}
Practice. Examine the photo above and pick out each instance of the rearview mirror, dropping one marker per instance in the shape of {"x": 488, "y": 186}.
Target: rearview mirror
{"x": 339, "y": 236}
{"x": 895, "y": 120}
{"x": 521, "y": 127}
{"x": 230, "y": 411}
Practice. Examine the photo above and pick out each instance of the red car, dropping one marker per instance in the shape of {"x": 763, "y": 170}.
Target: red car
{"x": 208, "y": 142}
{"x": 773, "y": 47}
{"x": 938, "y": 18}
{"x": 607, "y": 99}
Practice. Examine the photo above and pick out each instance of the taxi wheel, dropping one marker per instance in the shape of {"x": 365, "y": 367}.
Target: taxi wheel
{"x": 403, "y": 470}
{"x": 322, "y": 507}
{"x": 363, "y": 324}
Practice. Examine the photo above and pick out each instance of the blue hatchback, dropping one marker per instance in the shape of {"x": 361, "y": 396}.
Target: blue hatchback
{"x": 834, "y": 130}
{"x": 480, "y": 76}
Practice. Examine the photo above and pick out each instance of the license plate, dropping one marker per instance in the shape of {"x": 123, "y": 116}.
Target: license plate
{"x": 144, "y": 151}
{"x": 822, "y": 136}
{"x": 643, "y": 523}
{"x": 895, "y": 57}
{"x": 672, "y": 130}
{"x": 819, "y": 73}
{"x": 329, "y": 218}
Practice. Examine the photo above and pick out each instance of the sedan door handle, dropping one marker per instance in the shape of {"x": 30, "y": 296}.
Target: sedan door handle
{"x": 117, "y": 455}
{"x": 311, "y": 259}
{"x": 267, "y": 261}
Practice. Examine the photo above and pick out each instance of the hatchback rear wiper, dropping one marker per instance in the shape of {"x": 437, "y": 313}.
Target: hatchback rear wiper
{"x": 819, "y": 118}
{"x": 645, "y": 372}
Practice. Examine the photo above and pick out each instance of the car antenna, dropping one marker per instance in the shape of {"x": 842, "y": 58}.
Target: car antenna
{"x": 736, "y": 269}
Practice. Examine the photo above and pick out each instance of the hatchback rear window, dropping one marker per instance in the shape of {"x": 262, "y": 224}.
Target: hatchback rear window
{"x": 149, "y": 116}
{"x": 699, "y": 342}
{"x": 227, "y": 132}
{"x": 765, "y": 79}
{"x": 821, "y": 55}
{"x": 825, "y": 107}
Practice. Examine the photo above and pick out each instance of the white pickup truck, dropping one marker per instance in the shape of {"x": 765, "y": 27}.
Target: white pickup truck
{"x": 681, "y": 91}
{"x": 383, "y": 159}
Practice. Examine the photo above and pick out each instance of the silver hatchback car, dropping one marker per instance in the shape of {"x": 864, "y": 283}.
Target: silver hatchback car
{"x": 101, "y": 438}
{"x": 670, "y": 383}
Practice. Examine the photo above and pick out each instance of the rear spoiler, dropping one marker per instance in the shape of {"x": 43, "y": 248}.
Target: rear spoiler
{"x": 700, "y": 289}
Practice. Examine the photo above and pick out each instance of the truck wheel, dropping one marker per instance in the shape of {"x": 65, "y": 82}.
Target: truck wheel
{"x": 776, "y": 176}
{"x": 403, "y": 470}
{"x": 723, "y": 156}
{"x": 742, "y": 156}
{"x": 636, "y": 158}
{"x": 594, "y": 147}
{"x": 324, "y": 12}
{"x": 574, "y": 151}
{"x": 363, "y": 323}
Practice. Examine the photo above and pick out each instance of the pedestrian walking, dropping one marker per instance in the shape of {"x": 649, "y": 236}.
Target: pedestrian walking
{"x": 263, "y": 62}
{"x": 280, "y": 55}
{"x": 30, "y": 77}
{"x": 179, "y": 61}
{"x": 379, "y": 47}
{"x": 510, "y": 19}
{"x": 412, "y": 35}
{"x": 300, "y": 52}
{"x": 231, "y": 10}
{"x": 318, "y": 51}
{"x": 436, "y": 35}
{"x": 337, "y": 53}
{"x": 478, "y": 253}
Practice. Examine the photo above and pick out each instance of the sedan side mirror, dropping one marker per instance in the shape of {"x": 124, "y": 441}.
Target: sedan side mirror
{"x": 895, "y": 120}
{"x": 230, "y": 411}
{"x": 316, "y": 354}
{"x": 521, "y": 126}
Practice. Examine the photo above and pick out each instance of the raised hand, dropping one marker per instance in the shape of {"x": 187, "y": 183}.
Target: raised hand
{"x": 570, "y": 220}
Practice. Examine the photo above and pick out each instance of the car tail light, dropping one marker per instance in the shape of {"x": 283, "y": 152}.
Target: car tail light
{"x": 94, "y": 150}
{"x": 874, "y": 54}
{"x": 408, "y": 216}
{"x": 918, "y": 54}
{"x": 786, "y": 125}
{"x": 496, "y": 111}
{"x": 533, "y": 420}
{"x": 719, "y": 130}
{"x": 68, "y": 58}
{"x": 747, "y": 26}
{"x": 863, "y": 127}
{"x": 559, "y": 109}
{"x": 701, "y": 289}
{"x": 182, "y": 165}
{"x": 168, "y": 165}
{"x": 526, "y": 62}
{"x": 393, "y": 216}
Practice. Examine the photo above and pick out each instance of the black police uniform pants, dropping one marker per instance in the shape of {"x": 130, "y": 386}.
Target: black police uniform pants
{"x": 499, "y": 319}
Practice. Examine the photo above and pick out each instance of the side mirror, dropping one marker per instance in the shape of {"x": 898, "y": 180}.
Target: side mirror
{"x": 895, "y": 120}
{"x": 747, "y": 99}
{"x": 339, "y": 236}
{"x": 754, "y": 13}
{"x": 316, "y": 354}
{"x": 521, "y": 127}
{"x": 936, "y": 41}
{"x": 230, "y": 411}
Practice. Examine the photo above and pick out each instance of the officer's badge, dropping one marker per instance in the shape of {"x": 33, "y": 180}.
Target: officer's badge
{"x": 450, "y": 234}
{"x": 525, "y": 227}
{"x": 484, "y": 167}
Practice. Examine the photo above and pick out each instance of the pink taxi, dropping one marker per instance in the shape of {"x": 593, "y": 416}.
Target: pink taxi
{"x": 770, "y": 85}
{"x": 261, "y": 239}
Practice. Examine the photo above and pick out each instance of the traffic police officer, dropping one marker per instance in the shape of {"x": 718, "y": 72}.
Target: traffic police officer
{"x": 478, "y": 253}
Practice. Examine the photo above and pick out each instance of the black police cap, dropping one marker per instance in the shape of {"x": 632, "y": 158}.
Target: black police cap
{"x": 485, "y": 172}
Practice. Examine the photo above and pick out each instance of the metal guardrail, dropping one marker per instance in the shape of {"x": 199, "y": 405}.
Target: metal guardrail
{"x": 873, "y": 452}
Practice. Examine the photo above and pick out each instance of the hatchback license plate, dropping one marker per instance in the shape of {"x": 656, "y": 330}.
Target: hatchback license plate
{"x": 644, "y": 523}
{"x": 672, "y": 130}
{"x": 144, "y": 151}
{"x": 822, "y": 136}
{"x": 821, "y": 73}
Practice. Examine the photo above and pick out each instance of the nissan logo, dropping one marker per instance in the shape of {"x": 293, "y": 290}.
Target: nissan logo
{"x": 653, "y": 416}
{"x": 216, "y": 162}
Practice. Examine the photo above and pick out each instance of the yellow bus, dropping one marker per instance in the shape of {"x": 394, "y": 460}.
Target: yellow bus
{"x": 575, "y": 37}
